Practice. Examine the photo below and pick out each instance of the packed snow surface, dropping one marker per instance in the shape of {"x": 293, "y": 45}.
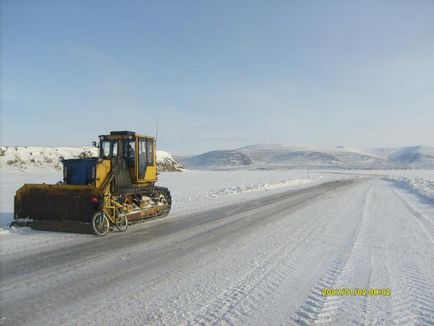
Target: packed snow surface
{"x": 241, "y": 248}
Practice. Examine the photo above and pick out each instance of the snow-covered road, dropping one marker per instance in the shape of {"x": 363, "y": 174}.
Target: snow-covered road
{"x": 258, "y": 262}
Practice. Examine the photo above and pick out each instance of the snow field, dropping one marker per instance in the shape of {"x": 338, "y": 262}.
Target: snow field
{"x": 256, "y": 266}
{"x": 265, "y": 266}
{"x": 198, "y": 190}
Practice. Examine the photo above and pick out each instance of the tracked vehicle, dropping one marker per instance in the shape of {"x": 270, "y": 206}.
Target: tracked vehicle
{"x": 99, "y": 194}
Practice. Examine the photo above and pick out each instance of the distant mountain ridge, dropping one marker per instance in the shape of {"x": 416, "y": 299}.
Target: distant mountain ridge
{"x": 217, "y": 159}
{"x": 273, "y": 156}
{"x": 414, "y": 156}
{"x": 24, "y": 158}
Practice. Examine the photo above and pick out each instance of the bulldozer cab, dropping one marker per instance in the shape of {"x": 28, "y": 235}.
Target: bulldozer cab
{"x": 137, "y": 151}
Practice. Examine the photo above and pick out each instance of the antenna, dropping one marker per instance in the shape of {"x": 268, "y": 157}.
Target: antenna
{"x": 156, "y": 130}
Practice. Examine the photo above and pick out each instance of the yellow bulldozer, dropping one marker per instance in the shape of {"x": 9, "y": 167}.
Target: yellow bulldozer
{"x": 98, "y": 194}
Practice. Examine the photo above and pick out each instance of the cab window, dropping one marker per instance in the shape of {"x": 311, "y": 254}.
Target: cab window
{"x": 114, "y": 149}
{"x": 130, "y": 152}
{"x": 108, "y": 149}
{"x": 142, "y": 158}
{"x": 150, "y": 152}
{"x": 105, "y": 149}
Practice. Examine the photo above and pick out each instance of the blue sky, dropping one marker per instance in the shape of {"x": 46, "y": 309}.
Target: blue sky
{"x": 218, "y": 74}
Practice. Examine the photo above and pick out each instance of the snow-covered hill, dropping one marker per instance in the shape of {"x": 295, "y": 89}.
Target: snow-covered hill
{"x": 414, "y": 157}
{"x": 292, "y": 156}
{"x": 48, "y": 158}
{"x": 259, "y": 156}
{"x": 167, "y": 163}
{"x": 270, "y": 156}
{"x": 217, "y": 160}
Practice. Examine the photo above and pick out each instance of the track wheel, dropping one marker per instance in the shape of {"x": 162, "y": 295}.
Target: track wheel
{"x": 100, "y": 224}
{"x": 162, "y": 200}
{"x": 121, "y": 221}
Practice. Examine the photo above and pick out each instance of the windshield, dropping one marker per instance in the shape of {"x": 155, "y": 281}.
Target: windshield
{"x": 108, "y": 149}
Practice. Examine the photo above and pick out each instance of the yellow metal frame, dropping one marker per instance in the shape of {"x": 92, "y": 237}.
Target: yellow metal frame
{"x": 102, "y": 172}
{"x": 110, "y": 207}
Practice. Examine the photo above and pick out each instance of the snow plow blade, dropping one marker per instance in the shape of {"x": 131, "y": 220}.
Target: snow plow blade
{"x": 56, "y": 207}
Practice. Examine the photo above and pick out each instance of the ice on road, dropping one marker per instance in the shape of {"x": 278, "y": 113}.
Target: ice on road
{"x": 258, "y": 262}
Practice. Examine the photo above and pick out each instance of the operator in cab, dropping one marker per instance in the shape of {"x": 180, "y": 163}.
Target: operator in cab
{"x": 130, "y": 154}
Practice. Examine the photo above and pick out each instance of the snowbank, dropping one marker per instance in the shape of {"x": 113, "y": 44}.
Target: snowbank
{"x": 40, "y": 158}
{"x": 255, "y": 187}
{"x": 421, "y": 186}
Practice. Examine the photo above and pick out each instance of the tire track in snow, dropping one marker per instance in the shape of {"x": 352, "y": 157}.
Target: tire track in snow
{"x": 424, "y": 223}
{"x": 412, "y": 296}
{"x": 60, "y": 296}
{"x": 367, "y": 303}
{"x": 155, "y": 315}
{"x": 319, "y": 309}
{"x": 225, "y": 305}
